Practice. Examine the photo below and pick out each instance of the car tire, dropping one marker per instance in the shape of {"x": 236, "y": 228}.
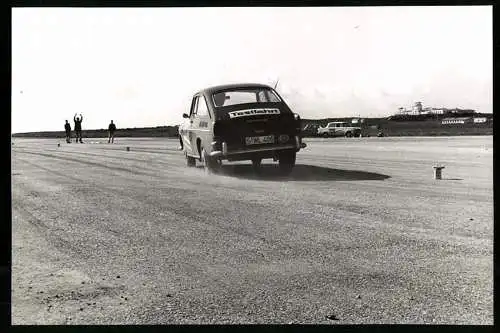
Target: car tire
{"x": 257, "y": 164}
{"x": 181, "y": 144}
{"x": 287, "y": 161}
{"x": 210, "y": 164}
{"x": 325, "y": 135}
{"x": 190, "y": 161}
{"x": 348, "y": 135}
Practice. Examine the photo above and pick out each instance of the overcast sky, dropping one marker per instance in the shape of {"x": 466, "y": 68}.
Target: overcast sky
{"x": 140, "y": 66}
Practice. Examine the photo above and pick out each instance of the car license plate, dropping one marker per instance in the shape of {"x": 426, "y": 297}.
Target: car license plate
{"x": 257, "y": 140}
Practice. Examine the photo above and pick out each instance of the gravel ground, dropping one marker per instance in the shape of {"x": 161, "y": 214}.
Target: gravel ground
{"x": 359, "y": 233}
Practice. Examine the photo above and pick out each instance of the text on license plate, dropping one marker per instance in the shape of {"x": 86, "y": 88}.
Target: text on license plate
{"x": 256, "y": 140}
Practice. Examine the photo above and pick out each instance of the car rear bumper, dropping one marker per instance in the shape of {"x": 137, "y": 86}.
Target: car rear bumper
{"x": 226, "y": 153}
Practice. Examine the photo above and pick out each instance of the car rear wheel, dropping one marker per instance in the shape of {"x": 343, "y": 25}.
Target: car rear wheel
{"x": 287, "y": 161}
{"x": 210, "y": 164}
{"x": 257, "y": 164}
{"x": 348, "y": 134}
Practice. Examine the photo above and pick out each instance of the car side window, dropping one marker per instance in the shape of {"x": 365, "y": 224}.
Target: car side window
{"x": 202, "y": 106}
{"x": 194, "y": 106}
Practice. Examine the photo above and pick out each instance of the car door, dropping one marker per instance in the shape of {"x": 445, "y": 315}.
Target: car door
{"x": 331, "y": 129}
{"x": 202, "y": 122}
{"x": 345, "y": 128}
{"x": 340, "y": 130}
{"x": 190, "y": 133}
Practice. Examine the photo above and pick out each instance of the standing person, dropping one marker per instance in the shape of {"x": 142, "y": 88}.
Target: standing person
{"x": 111, "y": 129}
{"x": 78, "y": 127}
{"x": 67, "y": 128}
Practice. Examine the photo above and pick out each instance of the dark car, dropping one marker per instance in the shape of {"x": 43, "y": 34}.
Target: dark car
{"x": 240, "y": 122}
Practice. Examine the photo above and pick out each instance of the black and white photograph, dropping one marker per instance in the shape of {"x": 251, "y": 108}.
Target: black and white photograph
{"x": 252, "y": 165}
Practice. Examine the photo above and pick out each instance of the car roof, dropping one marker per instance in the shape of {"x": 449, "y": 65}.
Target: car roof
{"x": 211, "y": 90}
{"x": 338, "y": 122}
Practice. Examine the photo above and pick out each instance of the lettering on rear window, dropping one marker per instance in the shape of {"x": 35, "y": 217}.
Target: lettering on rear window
{"x": 252, "y": 112}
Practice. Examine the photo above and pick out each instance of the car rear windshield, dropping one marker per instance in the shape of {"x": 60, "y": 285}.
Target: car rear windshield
{"x": 243, "y": 96}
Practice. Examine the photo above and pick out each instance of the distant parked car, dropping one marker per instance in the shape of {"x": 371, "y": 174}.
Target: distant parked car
{"x": 339, "y": 128}
{"x": 310, "y": 130}
{"x": 240, "y": 122}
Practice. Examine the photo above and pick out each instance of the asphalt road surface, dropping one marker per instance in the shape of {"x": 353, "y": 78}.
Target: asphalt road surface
{"x": 359, "y": 233}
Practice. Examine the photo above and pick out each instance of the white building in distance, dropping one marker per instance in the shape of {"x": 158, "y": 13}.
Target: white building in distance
{"x": 417, "y": 109}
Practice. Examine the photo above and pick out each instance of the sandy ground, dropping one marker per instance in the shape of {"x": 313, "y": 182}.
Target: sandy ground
{"x": 359, "y": 233}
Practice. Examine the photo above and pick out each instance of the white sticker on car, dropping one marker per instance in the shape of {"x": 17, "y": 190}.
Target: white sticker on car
{"x": 252, "y": 112}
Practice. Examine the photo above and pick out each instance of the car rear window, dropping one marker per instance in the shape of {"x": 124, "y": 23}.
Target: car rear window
{"x": 243, "y": 96}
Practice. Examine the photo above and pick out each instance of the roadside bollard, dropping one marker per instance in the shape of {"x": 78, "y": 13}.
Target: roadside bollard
{"x": 59, "y": 145}
{"x": 128, "y": 148}
{"x": 437, "y": 171}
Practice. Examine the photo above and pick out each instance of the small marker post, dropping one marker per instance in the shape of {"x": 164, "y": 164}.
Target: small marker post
{"x": 437, "y": 171}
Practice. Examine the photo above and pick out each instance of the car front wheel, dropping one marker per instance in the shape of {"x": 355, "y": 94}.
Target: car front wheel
{"x": 181, "y": 146}
{"x": 191, "y": 161}
{"x": 287, "y": 161}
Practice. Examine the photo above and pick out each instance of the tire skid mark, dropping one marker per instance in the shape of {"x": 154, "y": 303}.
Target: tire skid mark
{"x": 183, "y": 208}
{"x": 148, "y": 150}
{"x": 58, "y": 173}
{"x": 110, "y": 189}
{"x": 78, "y": 180}
{"x": 88, "y": 163}
{"x": 121, "y": 158}
{"x": 58, "y": 240}
{"x": 52, "y": 232}
{"x": 122, "y": 193}
{"x": 33, "y": 219}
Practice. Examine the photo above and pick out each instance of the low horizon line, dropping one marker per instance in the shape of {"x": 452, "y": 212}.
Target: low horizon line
{"x": 149, "y": 127}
